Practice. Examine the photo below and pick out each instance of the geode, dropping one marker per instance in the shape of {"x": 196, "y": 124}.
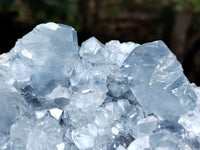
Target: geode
{"x": 56, "y": 95}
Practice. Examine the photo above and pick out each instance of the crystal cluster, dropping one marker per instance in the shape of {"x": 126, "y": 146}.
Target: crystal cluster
{"x": 56, "y": 95}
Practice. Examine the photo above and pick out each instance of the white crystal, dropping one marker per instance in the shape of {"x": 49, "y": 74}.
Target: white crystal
{"x": 115, "y": 130}
{"x": 191, "y": 122}
{"x": 124, "y": 47}
{"x": 86, "y": 91}
{"x": 82, "y": 140}
{"x": 20, "y": 70}
{"x": 59, "y": 92}
{"x": 56, "y": 113}
{"x": 44, "y": 135}
{"x": 91, "y": 46}
{"x": 140, "y": 144}
{"x": 40, "y": 114}
{"x": 100, "y": 119}
{"x": 93, "y": 130}
{"x": 26, "y": 53}
{"x": 121, "y": 148}
{"x": 52, "y": 26}
{"x": 60, "y": 146}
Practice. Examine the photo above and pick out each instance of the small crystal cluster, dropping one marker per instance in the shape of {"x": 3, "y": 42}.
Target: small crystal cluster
{"x": 55, "y": 95}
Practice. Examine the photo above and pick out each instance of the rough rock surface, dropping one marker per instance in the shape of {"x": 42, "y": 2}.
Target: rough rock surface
{"x": 56, "y": 95}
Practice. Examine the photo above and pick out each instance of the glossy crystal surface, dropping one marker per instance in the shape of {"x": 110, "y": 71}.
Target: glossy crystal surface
{"x": 56, "y": 95}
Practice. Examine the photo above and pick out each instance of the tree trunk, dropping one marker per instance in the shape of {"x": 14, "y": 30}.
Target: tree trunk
{"x": 179, "y": 32}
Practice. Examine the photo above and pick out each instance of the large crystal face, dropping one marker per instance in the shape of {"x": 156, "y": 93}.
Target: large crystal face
{"x": 118, "y": 96}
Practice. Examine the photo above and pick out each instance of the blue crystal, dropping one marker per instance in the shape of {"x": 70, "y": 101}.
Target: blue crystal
{"x": 114, "y": 96}
{"x": 154, "y": 69}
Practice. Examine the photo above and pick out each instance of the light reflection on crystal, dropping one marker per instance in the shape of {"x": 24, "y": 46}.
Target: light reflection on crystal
{"x": 56, "y": 113}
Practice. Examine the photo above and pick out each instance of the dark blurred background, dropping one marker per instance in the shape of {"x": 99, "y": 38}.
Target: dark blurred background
{"x": 176, "y": 22}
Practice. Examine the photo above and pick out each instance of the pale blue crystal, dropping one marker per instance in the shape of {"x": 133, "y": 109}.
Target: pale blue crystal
{"x": 154, "y": 69}
{"x": 118, "y": 96}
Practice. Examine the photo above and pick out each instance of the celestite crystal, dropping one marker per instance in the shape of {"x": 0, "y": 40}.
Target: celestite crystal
{"x": 55, "y": 95}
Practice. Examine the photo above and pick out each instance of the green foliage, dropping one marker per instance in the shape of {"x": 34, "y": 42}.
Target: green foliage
{"x": 68, "y": 11}
{"x": 184, "y": 4}
{"x": 61, "y": 11}
{"x": 112, "y": 8}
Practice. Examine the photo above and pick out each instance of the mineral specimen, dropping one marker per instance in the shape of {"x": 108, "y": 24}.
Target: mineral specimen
{"x": 118, "y": 96}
